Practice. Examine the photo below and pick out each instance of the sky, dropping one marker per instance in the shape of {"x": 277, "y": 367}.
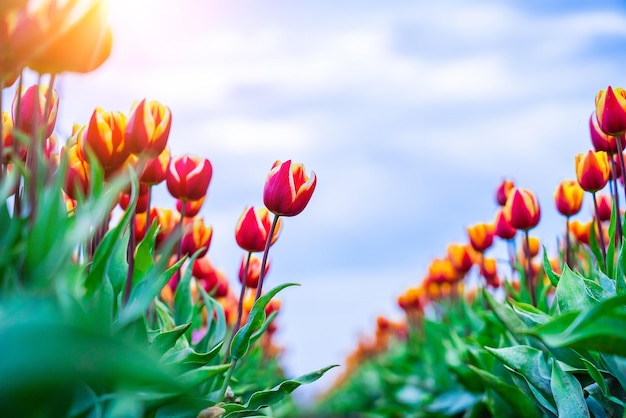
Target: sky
{"x": 409, "y": 112}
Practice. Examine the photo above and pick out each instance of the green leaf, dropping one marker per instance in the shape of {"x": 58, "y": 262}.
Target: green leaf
{"x": 241, "y": 340}
{"x": 547, "y": 267}
{"x": 519, "y": 403}
{"x": 595, "y": 247}
{"x": 620, "y": 273}
{"x": 216, "y": 326}
{"x": 272, "y": 396}
{"x": 166, "y": 339}
{"x": 505, "y": 314}
{"x": 189, "y": 356}
{"x": 596, "y": 376}
{"x": 568, "y": 394}
{"x": 571, "y": 292}
{"x": 201, "y": 375}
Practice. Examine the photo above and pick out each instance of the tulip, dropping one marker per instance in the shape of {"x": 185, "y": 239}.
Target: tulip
{"x": 198, "y": 237}
{"x": 76, "y": 40}
{"x": 481, "y": 236}
{"x": 251, "y": 277}
{"x": 167, "y": 220}
{"x": 605, "y": 207}
{"x": 155, "y": 169}
{"x": 288, "y": 189}
{"x": 503, "y": 191}
{"x": 489, "y": 272}
{"x": 592, "y": 170}
{"x": 191, "y": 209}
{"x": 461, "y": 257}
{"x": 142, "y": 200}
{"x": 77, "y": 176}
{"x": 104, "y": 137}
{"x": 442, "y": 270}
{"x": 600, "y": 140}
{"x": 188, "y": 178}
{"x": 611, "y": 110}
{"x": 568, "y": 198}
{"x": 35, "y": 111}
{"x": 502, "y": 228}
{"x": 253, "y": 228}
{"x": 9, "y": 145}
{"x": 522, "y": 210}
{"x": 148, "y": 128}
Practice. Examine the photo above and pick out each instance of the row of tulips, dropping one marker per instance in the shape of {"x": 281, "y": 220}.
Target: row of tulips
{"x": 111, "y": 311}
{"x": 539, "y": 337}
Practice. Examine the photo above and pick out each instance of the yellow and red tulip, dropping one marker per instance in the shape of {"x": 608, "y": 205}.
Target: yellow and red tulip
{"x": 442, "y": 270}
{"x": 461, "y": 257}
{"x": 155, "y": 169}
{"x": 104, "y": 137}
{"x": 188, "y": 178}
{"x": 198, "y": 237}
{"x": 192, "y": 207}
{"x": 253, "y": 228}
{"x": 568, "y": 198}
{"x": 592, "y": 170}
{"x": 142, "y": 199}
{"x": 522, "y": 210}
{"x": 77, "y": 176}
{"x": 481, "y": 236}
{"x": 502, "y": 227}
{"x": 288, "y": 189}
{"x": 503, "y": 191}
{"x": 489, "y": 272}
{"x": 600, "y": 140}
{"x": 148, "y": 128}
{"x": 254, "y": 271}
{"x": 33, "y": 109}
{"x": 611, "y": 110}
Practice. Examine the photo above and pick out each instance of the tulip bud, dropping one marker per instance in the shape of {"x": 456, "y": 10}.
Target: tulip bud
{"x": 503, "y": 191}
{"x": 148, "y": 128}
{"x": 199, "y": 236}
{"x": 611, "y": 110}
{"x": 522, "y": 210}
{"x": 580, "y": 231}
{"x": 481, "y": 236}
{"x": 441, "y": 270}
{"x": 77, "y": 176}
{"x": 592, "y": 170}
{"x": 288, "y": 189}
{"x": 188, "y": 178}
{"x": 568, "y": 198}
{"x": 605, "y": 207}
{"x": 253, "y": 228}
{"x": 461, "y": 257}
{"x": 104, "y": 137}
{"x": 254, "y": 271}
{"x": 33, "y": 109}
{"x": 502, "y": 227}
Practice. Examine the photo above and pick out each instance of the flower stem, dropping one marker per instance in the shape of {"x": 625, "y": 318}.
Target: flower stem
{"x": 620, "y": 157}
{"x": 268, "y": 243}
{"x": 529, "y": 270}
{"x": 567, "y": 243}
{"x": 130, "y": 257}
{"x": 2, "y": 168}
{"x": 17, "y": 203}
{"x": 618, "y": 215}
{"x": 179, "y": 254}
{"x": 229, "y": 374}
{"x": 599, "y": 227}
{"x": 241, "y": 297}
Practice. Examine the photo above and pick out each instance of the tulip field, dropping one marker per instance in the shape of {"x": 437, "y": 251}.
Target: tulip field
{"x": 111, "y": 307}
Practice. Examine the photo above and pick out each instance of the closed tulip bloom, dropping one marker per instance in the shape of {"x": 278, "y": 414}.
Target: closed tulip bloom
{"x": 188, "y": 178}
{"x": 33, "y": 109}
{"x": 155, "y": 169}
{"x": 481, "y": 236}
{"x": 192, "y": 207}
{"x": 288, "y": 189}
{"x": 461, "y": 257}
{"x": 148, "y": 128}
{"x": 198, "y": 236}
{"x": 254, "y": 271}
{"x": 489, "y": 272}
{"x": 580, "y": 231}
{"x": 253, "y": 228}
{"x": 503, "y": 191}
{"x": 522, "y": 210}
{"x": 142, "y": 199}
{"x": 78, "y": 39}
{"x": 442, "y": 270}
{"x": 568, "y": 198}
{"x": 611, "y": 110}
{"x": 167, "y": 220}
{"x": 600, "y": 140}
{"x": 533, "y": 245}
{"x": 605, "y": 207}
{"x": 104, "y": 137}
{"x": 592, "y": 170}
{"x": 8, "y": 141}
{"x": 77, "y": 176}
{"x": 502, "y": 227}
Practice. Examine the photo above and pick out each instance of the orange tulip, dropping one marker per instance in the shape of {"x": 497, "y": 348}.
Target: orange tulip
{"x": 192, "y": 207}
{"x": 592, "y": 170}
{"x": 503, "y": 191}
{"x": 77, "y": 176}
{"x": 522, "y": 210}
{"x": 489, "y": 271}
{"x": 502, "y": 227}
{"x": 167, "y": 220}
{"x": 33, "y": 109}
{"x": 611, "y": 110}
{"x": 534, "y": 245}
{"x": 148, "y": 128}
{"x": 481, "y": 236}
{"x": 198, "y": 237}
{"x": 442, "y": 270}
{"x": 412, "y": 299}
{"x": 104, "y": 137}
{"x": 253, "y": 228}
{"x": 461, "y": 257}
{"x": 188, "y": 178}
{"x": 580, "y": 231}
{"x": 288, "y": 189}
{"x": 568, "y": 198}
{"x": 254, "y": 271}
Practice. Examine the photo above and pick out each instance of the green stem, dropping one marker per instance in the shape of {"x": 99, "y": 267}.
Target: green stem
{"x": 618, "y": 215}
{"x": 599, "y": 226}
{"x": 2, "y": 167}
{"x": 567, "y": 243}
{"x": 241, "y": 297}
{"x": 620, "y": 157}
{"x": 268, "y": 243}
{"x": 229, "y": 374}
{"x": 130, "y": 257}
{"x": 529, "y": 270}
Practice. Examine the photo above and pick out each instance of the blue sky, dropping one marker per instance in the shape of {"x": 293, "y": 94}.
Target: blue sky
{"x": 410, "y": 113}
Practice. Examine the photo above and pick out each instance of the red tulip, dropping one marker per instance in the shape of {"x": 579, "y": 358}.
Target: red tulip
{"x": 611, "y": 110}
{"x": 503, "y": 191}
{"x": 254, "y": 271}
{"x": 288, "y": 189}
{"x": 522, "y": 210}
{"x": 148, "y": 128}
{"x": 502, "y": 227}
{"x": 188, "y": 177}
{"x": 592, "y": 170}
{"x": 481, "y": 236}
{"x": 155, "y": 169}
{"x": 33, "y": 109}
{"x": 252, "y": 229}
